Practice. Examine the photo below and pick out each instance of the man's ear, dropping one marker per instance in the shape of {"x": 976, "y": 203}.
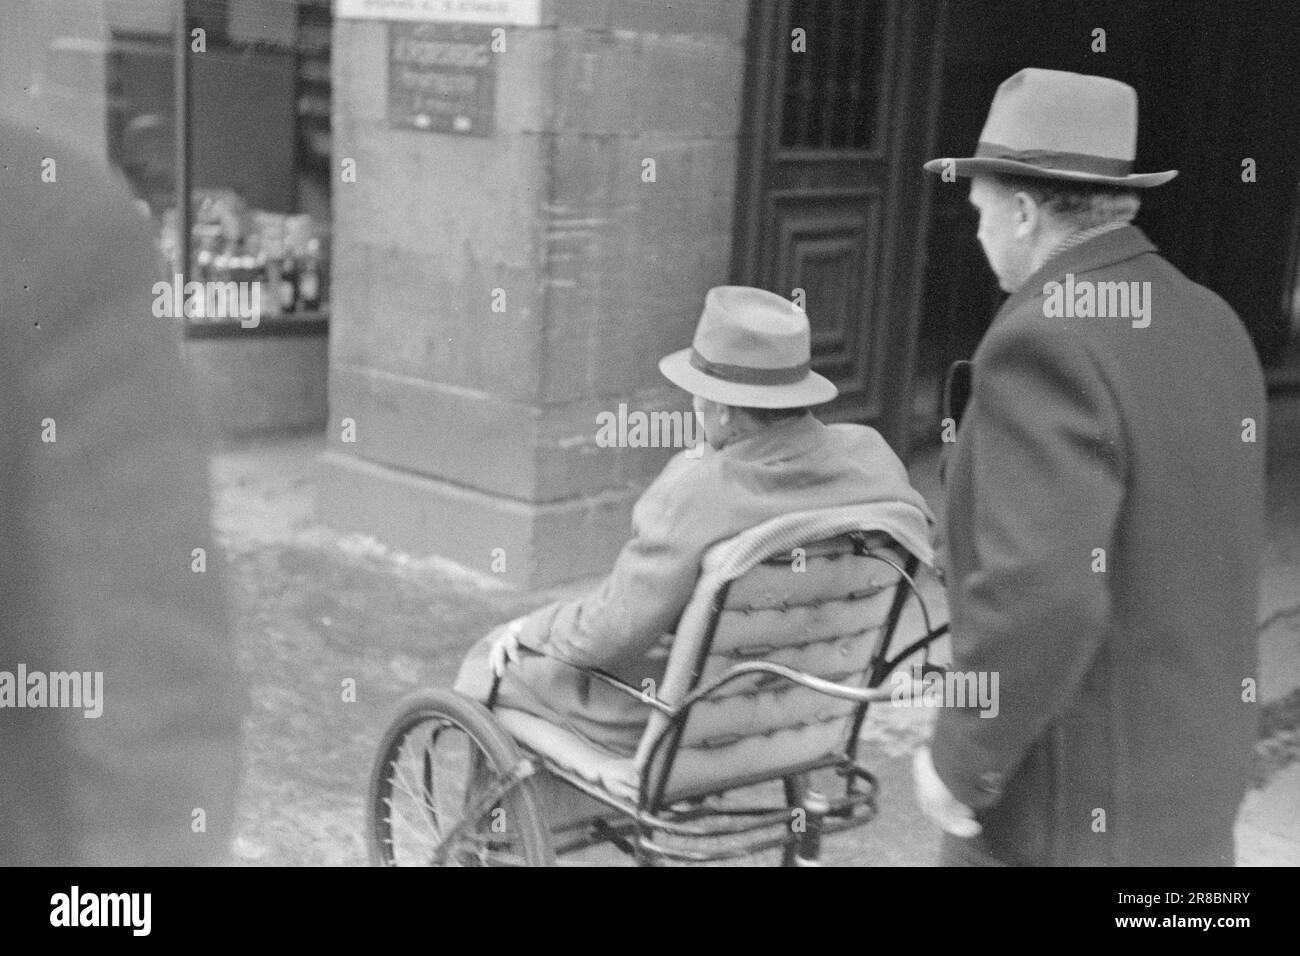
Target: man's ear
{"x": 1026, "y": 214}
{"x": 724, "y": 414}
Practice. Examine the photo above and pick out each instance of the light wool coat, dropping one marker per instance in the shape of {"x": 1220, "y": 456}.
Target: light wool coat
{"x": 793, "y": 465}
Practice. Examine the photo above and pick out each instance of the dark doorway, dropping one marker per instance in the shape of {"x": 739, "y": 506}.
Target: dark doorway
{"x": 1217, "y": 83}
{"x": 831, "y": 197}
{"x": 832, "y": 200}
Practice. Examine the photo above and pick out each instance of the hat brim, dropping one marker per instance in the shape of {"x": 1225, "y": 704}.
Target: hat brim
{"x": 972, "y": 165}
{"x": 813, "y": 389}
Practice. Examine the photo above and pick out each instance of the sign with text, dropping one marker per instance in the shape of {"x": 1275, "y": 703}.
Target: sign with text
{"x": 524, "y": 13}
{"x": 441, "y": 78}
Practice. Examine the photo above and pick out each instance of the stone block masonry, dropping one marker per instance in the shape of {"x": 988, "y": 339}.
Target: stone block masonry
{"x": 493, "y": 295}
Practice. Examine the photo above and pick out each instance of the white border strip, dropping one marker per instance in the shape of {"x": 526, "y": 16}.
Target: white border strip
{"x": 526, "y": 13}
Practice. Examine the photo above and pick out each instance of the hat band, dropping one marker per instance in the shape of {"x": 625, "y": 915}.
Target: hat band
{"x": 1046, "y": 159}
{"x": 745, "y": 375}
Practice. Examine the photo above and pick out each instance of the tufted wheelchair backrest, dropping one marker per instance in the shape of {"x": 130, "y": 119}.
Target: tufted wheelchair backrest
{"x": 818, "y": 607}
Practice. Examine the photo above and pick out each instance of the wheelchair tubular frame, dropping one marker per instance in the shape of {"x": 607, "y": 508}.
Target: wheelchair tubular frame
{"x": 648, "y": 815}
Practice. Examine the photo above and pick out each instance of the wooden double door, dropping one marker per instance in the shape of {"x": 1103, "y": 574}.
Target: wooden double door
{"x": 831, "y": 202}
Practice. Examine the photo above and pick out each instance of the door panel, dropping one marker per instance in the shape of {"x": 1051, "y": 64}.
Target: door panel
{"x": 831, "y": 198}
{"x": 826, "y": 243}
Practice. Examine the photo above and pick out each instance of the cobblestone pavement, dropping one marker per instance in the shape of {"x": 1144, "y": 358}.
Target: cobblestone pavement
{"x": 320, "y": 612}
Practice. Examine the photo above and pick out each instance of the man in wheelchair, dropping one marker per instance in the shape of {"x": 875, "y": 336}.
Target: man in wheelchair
{"x": 748, "y": 371}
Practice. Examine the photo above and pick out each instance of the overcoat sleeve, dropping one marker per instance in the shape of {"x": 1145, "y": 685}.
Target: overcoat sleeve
{"x": 1045, "y": 474}
{"x": 648, "y": 588}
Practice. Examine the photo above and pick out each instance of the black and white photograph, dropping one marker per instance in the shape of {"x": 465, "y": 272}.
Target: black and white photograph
{"x": 650, "y": 433}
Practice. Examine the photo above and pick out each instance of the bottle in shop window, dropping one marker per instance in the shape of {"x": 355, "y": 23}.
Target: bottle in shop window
{"x": 288, "y": 283}
{"x": 240, "y": 262}
{"x": 202, "y": 259}
{"x": 202, "y": 265}
{"x": 267, "y": 271}
{"x": 219, "y": 275}
{"x": 203, "y": 269}
{"x": 309, "y": 281}
{"x": 243, "y": 268}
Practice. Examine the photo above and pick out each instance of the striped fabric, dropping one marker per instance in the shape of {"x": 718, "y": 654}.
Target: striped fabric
{"x": 796, "y": 595}
{"x": 818, "y": 610}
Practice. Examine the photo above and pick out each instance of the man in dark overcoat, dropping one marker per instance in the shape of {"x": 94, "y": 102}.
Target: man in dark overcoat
{"x": 1104, "y": 514}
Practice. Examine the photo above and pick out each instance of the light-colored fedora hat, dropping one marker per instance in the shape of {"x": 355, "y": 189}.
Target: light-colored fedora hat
{"x": 1057, "y": 125}
{"x": 752, "y": 349}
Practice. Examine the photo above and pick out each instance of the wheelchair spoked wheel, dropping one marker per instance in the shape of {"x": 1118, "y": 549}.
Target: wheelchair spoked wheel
{"x": 450, "y": 788}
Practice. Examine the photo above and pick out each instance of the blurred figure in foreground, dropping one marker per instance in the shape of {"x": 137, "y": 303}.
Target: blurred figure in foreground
{"x": 103, "y": 475}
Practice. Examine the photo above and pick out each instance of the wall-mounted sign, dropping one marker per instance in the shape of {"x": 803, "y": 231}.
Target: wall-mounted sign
{"x": 441, "y": 78}
{"x": 524, "y": 13}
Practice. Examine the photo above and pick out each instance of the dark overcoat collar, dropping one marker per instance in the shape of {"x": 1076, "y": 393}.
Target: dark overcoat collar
{"x": 1105, "y": 250}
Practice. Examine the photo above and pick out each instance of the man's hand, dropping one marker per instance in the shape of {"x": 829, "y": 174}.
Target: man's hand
{"x": 505, "y": 649}
{"x": 936, "y": 800}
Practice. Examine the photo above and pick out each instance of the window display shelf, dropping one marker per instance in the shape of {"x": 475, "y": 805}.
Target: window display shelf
{"x": 294, "y": 323}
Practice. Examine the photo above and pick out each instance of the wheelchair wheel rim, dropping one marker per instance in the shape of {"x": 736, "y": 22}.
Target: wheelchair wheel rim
{"x": 434, "y": 773}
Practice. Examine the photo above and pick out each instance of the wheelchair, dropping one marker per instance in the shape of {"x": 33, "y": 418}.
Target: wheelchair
{"x": 777, "y": 657}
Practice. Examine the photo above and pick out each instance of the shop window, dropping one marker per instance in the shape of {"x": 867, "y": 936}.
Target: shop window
{"x": 259, "y": 132}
